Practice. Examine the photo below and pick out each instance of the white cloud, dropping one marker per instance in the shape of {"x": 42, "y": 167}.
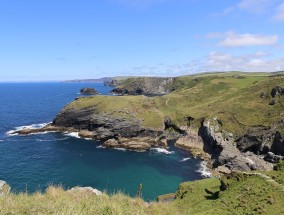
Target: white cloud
{"x": 279, "y": 15}
{"x": 255, "y": 6}
{"x": 215, "y": 61}
{"x": 235, "y": 40}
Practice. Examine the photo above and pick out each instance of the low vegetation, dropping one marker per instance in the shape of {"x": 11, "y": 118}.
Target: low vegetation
{"x": 244, "y": 194}
{"x": 239, "y": 100}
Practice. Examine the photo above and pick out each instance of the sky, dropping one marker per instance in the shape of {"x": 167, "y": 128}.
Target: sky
{"x": 49, "y": 40}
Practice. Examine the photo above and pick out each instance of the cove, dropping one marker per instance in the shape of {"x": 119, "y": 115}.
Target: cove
{"x": 31, "y": 163}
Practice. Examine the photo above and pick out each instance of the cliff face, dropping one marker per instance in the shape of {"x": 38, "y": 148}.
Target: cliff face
{"x": 145, "y": 86}
{"x": 224, "y": 118}
{"x": 102, "y": 126}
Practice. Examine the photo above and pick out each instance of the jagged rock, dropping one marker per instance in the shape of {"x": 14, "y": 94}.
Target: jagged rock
{"x": 4, "y": 188}
{"x": 86, "y": 134}
{"x": 271, "y": 157}
{"x": 223, "y": 169}
{"x": 145, "y": 86}
{"x": 88, "y": 91}
{"x": 224, "y": 152}
{"x": 86, "y": 189}
{"x": 276, "y": 91}
{"x": 261, "y": 140}
{"x": 137, "y": 146}
{"x": 111, "y": 143}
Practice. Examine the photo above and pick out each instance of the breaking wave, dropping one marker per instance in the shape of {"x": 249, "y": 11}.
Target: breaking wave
{"x": 185, "y": 159}
{"x": 32, "y": 126}
{"x": 203, "y": 170}
{"x": 162, "y": 150}
{"x": 72, "y": 134}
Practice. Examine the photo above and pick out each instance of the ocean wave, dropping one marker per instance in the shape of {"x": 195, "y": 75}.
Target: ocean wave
{"x": 32, "y": 126}
{"x": 72, "y": 134}
{"x": 203, "y": 170}
{"x": 1, "y": 140}
{"x": 120, "y": 149}
{"x": 45, "y": 140}
{"x": 100, "y": 147}
{"x": 162, "y": 150}
{"x": 185, "y": 159}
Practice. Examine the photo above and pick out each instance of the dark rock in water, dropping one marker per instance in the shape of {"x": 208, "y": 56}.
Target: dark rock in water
{"x": 276, "y": 91}
{"x": 88, "y": 91}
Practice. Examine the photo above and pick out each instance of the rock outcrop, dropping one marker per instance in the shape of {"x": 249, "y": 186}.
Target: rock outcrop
{"x": 224, "y": 152}
{"x": 145, "y": 86}
{"x": 88, "y": 91}
{"x": 4, "y": 188}
{"x": 86, "y": 189}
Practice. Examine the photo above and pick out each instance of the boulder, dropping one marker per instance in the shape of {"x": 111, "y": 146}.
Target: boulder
{"x": 137, "y": 146}
{"x": 88, "y": 91}
{"x": 86, "y": 189}
{"x": 111, "y": 143}
{"x": 4, "y": 188}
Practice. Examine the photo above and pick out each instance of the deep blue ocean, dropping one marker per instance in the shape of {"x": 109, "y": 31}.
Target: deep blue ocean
{"x": 31, "y": 163}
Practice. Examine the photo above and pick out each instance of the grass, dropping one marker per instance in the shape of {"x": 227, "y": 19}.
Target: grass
{"x": 233, "y": 97}
{"x": 245, "y": 194}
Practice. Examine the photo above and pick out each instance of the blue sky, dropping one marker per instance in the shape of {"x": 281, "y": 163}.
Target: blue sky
{"x": 70, "y": 39}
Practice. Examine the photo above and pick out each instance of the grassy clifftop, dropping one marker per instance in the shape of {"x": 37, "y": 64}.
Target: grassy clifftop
{"x": 239, "y": 100}
{"x": 244, "y": 194}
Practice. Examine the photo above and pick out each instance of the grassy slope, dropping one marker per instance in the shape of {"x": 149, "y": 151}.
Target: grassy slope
{"x": 245, "y": 195}
{"x": 236, "y": 101}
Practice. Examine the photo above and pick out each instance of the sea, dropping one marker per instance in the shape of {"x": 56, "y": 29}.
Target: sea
{"x": 32, "y": 163}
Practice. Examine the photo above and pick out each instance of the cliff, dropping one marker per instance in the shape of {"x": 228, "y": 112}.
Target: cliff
{"x": 226, "y": 118}
{"x": 144, "y": 86}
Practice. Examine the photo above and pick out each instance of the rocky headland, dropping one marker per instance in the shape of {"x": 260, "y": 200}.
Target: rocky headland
{"x": 227, "y": 121}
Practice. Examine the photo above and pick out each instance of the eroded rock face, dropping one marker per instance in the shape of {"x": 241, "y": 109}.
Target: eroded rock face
{"x": 262, "y": 140}
{"x": 104, "y": 127}
{"x": 225, "y": 153}
{"x": 145, "y": 86}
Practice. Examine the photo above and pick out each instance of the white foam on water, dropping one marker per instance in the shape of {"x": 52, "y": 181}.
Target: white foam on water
{"x": 162, "y": 150}
{"x": 72, "y": 134}
{"x": 100, "y": 147}
{"x": 120, "y": 149}
{"x": 32, "y": 126}
{"x": 1, "y": 140}
{"x": 45, "y": 140}
{"x": 185, "y": 159}
{"x": 204, "y": 170}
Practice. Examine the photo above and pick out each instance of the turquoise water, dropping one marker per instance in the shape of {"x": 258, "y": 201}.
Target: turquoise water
{"x": 30, "y": 163}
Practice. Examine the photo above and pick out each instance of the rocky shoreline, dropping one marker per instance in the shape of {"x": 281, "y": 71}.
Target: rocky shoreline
{"x": 220, "y": 152}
